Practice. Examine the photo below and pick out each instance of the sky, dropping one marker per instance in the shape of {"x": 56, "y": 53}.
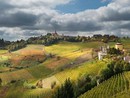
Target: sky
{"x": 21, "y": 19}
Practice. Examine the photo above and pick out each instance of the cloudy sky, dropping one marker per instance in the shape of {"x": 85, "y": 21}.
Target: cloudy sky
{"x": 20, "y": 19}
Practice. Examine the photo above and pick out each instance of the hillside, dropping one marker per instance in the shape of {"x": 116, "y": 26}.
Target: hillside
{"x": 74, "y": 73}
{"x": 55, "y": 63}
{"x": 67, "y": 57}
{"x": 22, "y": 62}
{"x": 32, "y": 54}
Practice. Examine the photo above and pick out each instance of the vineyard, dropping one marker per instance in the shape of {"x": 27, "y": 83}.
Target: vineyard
{"x": 111, "y": 88}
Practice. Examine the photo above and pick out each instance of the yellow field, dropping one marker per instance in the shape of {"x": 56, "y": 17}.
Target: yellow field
{"x": 4, "y": 58}
{"x": 68, "y": 49}
{"x": 85, "y": 68}
{"x": 3, "y": 51}
{"x": 30, "y": 50}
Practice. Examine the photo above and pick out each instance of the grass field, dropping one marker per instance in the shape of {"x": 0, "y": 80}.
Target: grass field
{"x": 29, "y": 74}
{"x": 28, "y": 56}
{"x": 3, "y": 51}
{"x": 22, "y": 92}
{"x": 30, "y": 50}
{"x": 4, "y": 58}
{"x": 117, "y": 86}
{"x": 126, "y": 43}
{"x": 65, "y": 48}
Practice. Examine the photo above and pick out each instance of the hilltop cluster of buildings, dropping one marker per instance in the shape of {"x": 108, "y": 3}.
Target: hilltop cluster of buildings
{"x": 104, "y": 51}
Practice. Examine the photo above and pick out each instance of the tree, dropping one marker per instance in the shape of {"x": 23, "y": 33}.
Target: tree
{"x": 0, "y": 81}
{"x": 111, "y": 67}
{"x": 118, "y": 67}
{"x": 113, "y": 51}
{"x": 65, "y": 91}
{"x": 106, "y": 73}
{"x": 127, "y": 67}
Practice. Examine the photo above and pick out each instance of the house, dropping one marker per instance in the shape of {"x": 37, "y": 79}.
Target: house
{"x": 101, "y": 55}
{"x": 119, "y": 46}
{"x": 127, "y": 59}
{"x": 102, "y": 52}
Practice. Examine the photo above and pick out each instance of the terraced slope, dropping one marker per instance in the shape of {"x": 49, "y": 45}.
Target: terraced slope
{"x": 112, "y": 88}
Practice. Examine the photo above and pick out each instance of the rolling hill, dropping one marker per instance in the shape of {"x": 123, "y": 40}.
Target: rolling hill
{"x": 67, "y": 60}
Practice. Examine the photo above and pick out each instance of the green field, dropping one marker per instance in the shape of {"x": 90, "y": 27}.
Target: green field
{"x": 126, "y": 43}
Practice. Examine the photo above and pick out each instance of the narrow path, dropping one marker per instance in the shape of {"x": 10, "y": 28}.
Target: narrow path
{"x": 79, "y": 60}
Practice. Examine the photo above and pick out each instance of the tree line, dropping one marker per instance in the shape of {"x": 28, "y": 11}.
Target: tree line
{"x": 52, "y": 38}
{"x": 115, "y": 67}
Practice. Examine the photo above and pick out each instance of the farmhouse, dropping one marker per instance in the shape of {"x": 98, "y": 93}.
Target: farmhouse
{"x": 101, "y": 55}
{"x": 103, "y": 52}
{"x": 119, "y": 46}
{"x": 127, "y": 59}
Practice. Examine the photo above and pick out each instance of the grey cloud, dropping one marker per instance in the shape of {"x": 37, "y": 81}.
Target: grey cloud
{"x": 17, "y": 19}
{"x": 29, "y": 33}
{"x": 1, "y": 33}
{"x": 77, "y": 26}
{"x": 125, "y": 26}
{"x": 5, "y": 6}
{"x": 115, "y": 15}
{"x": 35, "y": 18}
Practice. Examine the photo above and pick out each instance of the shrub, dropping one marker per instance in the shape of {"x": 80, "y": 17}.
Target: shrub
{"x": 127, "y": 67}
{"x": 53, "y": 84}
{"x": 106, "y": 73}
{"x": 0, "y": 81}
{"x": 33, "y": 87}
{"x": 13, "y": 81}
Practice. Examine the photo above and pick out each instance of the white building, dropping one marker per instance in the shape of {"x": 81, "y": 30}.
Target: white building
{"x": 101, "y": 55}
{"x": 103, "y": 52}
{"x": 127, "y": 59}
